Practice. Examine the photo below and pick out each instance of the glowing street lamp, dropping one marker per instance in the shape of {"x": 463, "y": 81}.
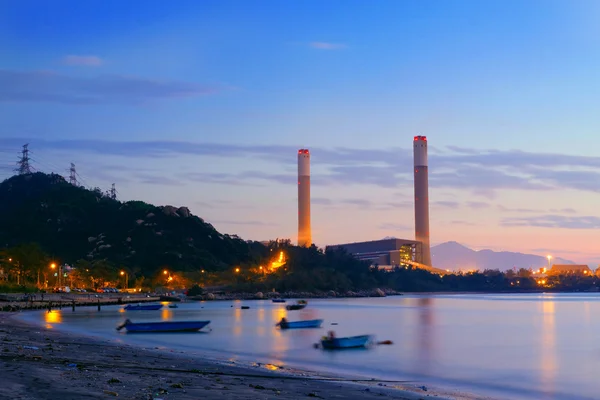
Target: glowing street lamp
{"x": 53, "y": 267}
{"x": 126, "y": 275}
{"x": 237, "y": 270}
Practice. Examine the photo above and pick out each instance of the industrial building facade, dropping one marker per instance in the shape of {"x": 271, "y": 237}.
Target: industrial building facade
{"x": 385, "y": 252}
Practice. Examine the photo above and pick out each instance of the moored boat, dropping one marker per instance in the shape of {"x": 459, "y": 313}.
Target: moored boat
{"x": 142, "y": 307}
{"x": 278, "y": 300}
{"x": 313, "y": 323}
{"x": 298, "y": 306}
{"x": 173, "y": 306}
{"x": 331, "y": 342}
{"x": 163, "y": 326}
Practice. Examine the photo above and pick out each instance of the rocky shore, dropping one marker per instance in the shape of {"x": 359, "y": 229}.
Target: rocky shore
{"x": 296, "y": 295}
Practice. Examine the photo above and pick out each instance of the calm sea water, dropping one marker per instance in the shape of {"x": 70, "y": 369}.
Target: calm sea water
{"x": 531, "y": 346}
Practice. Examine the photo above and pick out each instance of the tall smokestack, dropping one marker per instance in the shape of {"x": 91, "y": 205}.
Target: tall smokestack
{"x": 304, "y": 232}
{"x": 422, "y": 198}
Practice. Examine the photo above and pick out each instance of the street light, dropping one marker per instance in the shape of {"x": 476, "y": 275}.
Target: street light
{"x": 123, "y": 273}
{"x": 53, "y": 266}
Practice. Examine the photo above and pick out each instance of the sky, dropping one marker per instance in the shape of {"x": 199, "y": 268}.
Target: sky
{"x": 204, "y": 104}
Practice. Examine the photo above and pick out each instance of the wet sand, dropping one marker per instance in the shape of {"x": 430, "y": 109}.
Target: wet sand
{"x": 42, "y": 363}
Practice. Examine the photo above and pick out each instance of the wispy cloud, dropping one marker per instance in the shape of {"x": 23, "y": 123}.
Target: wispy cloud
{"x": 327, "y": 45}
{"x": 321, "y": 201}
{"x": 463, "y": 223}
{"x": 477, "y": 205}
{"x": 158, "y": 180}
{"x": 555, "y": 221}
{"x": 235, "y": 222}
{"x": 87, "y": 61}
{"x": 390, "y": 226}
{"x": 50, "y": 87}
{"x": 531, "y": 210}
{"x": 481, "y": 172}
{"x": 446, "y": 204}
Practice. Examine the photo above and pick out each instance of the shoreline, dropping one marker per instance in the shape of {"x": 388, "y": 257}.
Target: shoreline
{"x": 67, "y": 365}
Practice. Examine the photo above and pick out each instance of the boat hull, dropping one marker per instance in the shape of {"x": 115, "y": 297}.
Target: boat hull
{"x": 168, "y": 326}
{"x": 278, "y": 300}
{"x": 143, "y": 307}
{"x": 293, "y": 307}
{"x": 346, "y": 342}
{"x": 313, "y": 323}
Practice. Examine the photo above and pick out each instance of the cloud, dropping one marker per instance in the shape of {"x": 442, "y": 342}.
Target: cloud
{"x": 240, "y": 222}
{"x": 158, "y": 180}
{"x": 555, "y": 221}
{"x": 321, "y": 201}
{"x": 50, "y": 87}
{"x": 477, "y": 205}
{"x": 531, "y": 210}
{"x": 517, "y": 210}
{"x": 327, "y": 46}
{"x": 446, "y": 204}
{"x": 390, "y": 226}
{"x": 87, "y": 61}
{"x": 463, "y": 223}
{"x": 481, "y": 172}
{"x": 358, "y": 202}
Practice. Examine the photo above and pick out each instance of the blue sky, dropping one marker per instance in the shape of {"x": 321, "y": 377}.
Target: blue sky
{"x": 204, "y": 104}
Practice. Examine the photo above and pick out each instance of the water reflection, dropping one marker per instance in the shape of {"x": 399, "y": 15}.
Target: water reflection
{"x": 166, "y": 314}
{"x": 53, "y": 317}
{"x": 425, "y": 335}
{"x": 548, "y": 361}
{"x": 237, "y": 317}
{"x": 280, "y": 341}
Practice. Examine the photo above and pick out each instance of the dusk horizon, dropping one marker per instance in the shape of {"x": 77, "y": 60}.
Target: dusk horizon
{"x": 195, "y": 105}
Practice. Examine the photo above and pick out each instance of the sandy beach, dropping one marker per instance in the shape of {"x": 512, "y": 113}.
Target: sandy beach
{"x": 42, "y": 363}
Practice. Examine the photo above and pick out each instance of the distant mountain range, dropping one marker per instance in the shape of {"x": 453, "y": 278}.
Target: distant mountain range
{"x": 455, "y": 256}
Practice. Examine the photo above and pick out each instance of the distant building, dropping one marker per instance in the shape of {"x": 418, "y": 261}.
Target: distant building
{"x": 385, "y": 252}
{"x": 565, "y": 269}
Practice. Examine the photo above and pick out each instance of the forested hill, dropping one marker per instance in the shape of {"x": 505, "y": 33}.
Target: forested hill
{"x": 71, "y": 223}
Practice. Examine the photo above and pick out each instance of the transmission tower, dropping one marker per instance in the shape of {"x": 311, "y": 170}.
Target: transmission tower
{"x": 113, "y": 192}
{"x": 73, "y": 175}
{"x": 23, "y": 164}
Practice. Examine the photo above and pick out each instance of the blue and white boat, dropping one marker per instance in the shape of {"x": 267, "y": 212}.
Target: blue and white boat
{"x": 142, "y": 307}
{"x": 332, "y": 343}
{"x": 312, "y": 323}
{"x": 163, "y": 326}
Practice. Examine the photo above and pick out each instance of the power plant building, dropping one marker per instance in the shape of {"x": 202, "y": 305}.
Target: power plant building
{"x": 385, "y": 252}
{"x": 304, "y": 229}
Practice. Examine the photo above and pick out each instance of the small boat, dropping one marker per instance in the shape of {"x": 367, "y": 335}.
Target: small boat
{"x": 173, "y": 306}
{"x": 278, "y": 300}
{"x": 245, "y": 307}
{"x": 142, "y": 307}
{"x": 298, "y": 306}
{"x": 164, "y": 326}
{"x": 313, "y": 323}
{"x": 332, "y": 343}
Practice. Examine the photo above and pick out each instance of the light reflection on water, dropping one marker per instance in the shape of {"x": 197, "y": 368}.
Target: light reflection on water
{"x": 532, "y": 346}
